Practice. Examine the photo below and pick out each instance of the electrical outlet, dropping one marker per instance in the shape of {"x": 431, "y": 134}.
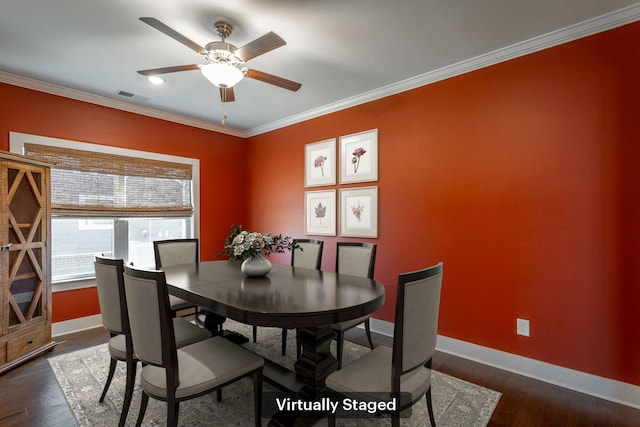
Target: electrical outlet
{"x": 522, "y": 327}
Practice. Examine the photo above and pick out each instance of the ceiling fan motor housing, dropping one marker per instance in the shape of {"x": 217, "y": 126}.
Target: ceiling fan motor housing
{"x": 222, "y": 52}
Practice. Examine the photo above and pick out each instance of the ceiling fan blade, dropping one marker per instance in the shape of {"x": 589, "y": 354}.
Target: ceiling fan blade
{"x": 174, "y": 35}
{"x": 274, "y": 80}
{"x": 226, "y": 94}
{"x": 261, "y": 45}
{"x": 166, "y": 70}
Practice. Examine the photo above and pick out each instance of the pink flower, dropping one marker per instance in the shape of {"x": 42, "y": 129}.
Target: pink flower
{"x": 319, "y": 163}
{"x": 359, "y": 151}
{"x": 257, "y": 243}
{"x": 355, "y": 160}
{"x": 357, "y": 210}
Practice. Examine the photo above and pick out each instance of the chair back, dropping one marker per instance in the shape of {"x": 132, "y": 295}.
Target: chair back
{"x": 175, "y": 252}
{"x": 416, "y": 322}
{"x": 150, "y": 317}
{"x": 309, "y": 255}
{"x": 113, "y": 304}
{"x": 356, "y": 259}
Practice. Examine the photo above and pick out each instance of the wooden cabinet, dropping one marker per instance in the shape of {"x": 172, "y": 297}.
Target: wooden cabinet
{"x": 25, "y": 260}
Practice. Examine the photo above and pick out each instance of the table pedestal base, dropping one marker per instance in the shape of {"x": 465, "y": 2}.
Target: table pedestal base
{"x": 314, "y": 366}
{"x": 316, "y": 361}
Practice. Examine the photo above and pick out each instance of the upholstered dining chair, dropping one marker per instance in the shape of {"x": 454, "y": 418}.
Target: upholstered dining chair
{"x": 115, "y": 319}
{"x": 356, "y": 259}
{"x": 185, "y": 251}
{"x": 308, "y": 254}
{"x": 174, "y": 374}
{"x": 175, "y": 252}
{"x": 406, "y": 368}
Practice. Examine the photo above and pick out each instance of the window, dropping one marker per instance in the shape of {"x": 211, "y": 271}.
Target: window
{"x": 112, "y": 201}
{"x": 75, "y": 242}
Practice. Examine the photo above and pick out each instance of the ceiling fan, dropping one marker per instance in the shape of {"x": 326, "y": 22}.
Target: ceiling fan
{"x": 224, "y": 58}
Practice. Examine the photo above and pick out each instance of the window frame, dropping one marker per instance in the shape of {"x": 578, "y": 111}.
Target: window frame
{"x": 17, "y": 140}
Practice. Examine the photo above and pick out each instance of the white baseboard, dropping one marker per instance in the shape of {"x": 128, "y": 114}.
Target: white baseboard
{"x": 604, "y": 388}
{"x": 76, "y": 325}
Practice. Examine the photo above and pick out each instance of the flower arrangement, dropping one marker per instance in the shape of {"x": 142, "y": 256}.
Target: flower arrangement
{"x": 242, "y": 244}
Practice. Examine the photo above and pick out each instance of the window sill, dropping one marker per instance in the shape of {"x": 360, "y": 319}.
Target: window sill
{"x": 73, "y": 284}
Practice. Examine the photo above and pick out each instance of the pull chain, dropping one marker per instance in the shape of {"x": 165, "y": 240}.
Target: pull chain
{"x": 223, "y": 92}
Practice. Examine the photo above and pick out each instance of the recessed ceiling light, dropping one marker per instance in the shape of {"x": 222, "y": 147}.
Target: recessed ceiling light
{"x": 156, "y": 80}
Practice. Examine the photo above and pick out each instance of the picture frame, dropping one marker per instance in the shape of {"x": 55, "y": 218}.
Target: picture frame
{"x": 320, "y": 163}
{"x": 320, "y": 213}
{"x": 359, "y": 212}
{"x": 359, "y": 157}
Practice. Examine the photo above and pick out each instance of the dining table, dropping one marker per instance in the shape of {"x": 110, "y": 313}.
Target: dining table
{"x": 287, "y": 297}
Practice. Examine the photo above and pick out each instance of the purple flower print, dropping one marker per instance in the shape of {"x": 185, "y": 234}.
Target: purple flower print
{"x": 355, "y": 160}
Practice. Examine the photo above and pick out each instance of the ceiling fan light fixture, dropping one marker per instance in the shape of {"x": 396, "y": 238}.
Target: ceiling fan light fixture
{"x": 222, "y": 75}
{"x": 156, "y": 80}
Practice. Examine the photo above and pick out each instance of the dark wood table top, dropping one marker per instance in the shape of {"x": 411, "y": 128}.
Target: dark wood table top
{"x": 287, "y": 297}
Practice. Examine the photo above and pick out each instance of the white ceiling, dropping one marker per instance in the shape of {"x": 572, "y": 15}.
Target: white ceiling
{"x": 344, "y": 52}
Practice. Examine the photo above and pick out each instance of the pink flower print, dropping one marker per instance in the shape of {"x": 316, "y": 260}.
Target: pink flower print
{"x": 357, "y": 210}
{"x": 355, "y": 160}
{"x": 319, "y": 163}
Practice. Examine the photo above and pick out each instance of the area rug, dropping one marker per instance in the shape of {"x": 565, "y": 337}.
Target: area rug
{"x": 82, "y": 374}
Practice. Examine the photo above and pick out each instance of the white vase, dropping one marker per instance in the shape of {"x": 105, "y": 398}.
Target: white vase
{"x": 256, "y": 266}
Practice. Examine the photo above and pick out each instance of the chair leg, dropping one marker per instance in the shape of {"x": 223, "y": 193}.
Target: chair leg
{"x": 340, "y": 343}
{"x": 255, "y": 333}
{"x": 331, "y": 420}
{"x": 112, "y": 370}
{"x": 367, "y": 329}
{"x": 430, "y": 407}
{"x": 219, "y": 394}
{"x": 173, "y": 408}
{"x": 143, "y": 408}
{"x": 284, "y": 341}
{"x": 128, "y": 391}
{"x": 257, "y": 397}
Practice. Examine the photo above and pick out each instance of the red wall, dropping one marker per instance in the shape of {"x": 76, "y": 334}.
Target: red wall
{"x": 27, "y": 111}
{"x": 522, "y": 177}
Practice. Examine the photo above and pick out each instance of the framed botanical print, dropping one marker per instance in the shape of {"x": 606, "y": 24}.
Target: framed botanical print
{"x": 320, "y": 213}
{"x": 359, "y": 212}
{"x": 359, "y": 157}
{"x": 320, "y": 163}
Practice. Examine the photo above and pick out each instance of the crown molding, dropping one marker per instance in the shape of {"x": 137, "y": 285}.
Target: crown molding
{"x": 103, "y": 101}
{"x": 574, "y": 32}
{"x": 583, "y": 29}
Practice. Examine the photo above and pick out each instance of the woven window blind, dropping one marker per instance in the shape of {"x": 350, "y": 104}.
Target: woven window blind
{"x": 87, "y": 183}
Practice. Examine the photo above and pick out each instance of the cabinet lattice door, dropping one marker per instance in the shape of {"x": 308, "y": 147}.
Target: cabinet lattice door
{"x": 25, "y": 321}
{"x": 27, "y": 228}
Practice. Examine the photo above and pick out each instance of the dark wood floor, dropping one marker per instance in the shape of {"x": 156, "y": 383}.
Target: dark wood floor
{"x": 30, "y": 395}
